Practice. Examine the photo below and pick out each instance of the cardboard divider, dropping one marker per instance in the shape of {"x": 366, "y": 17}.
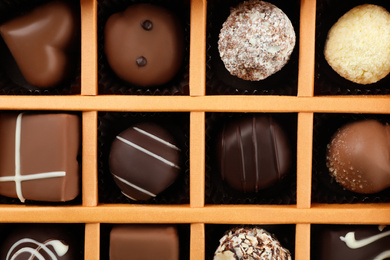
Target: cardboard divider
{"x": 89, "y": 157}
{"x": 197, "y": 159}
{"x": 92, "y": 241}
{"x": 302, "y": 241}
{"x": 304, "y": 159}
{"x": 197, "y": 246}
{"x": 88, "y": 47}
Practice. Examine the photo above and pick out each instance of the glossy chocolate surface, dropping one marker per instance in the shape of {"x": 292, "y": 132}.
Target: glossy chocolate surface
{"x": 358, "y": 156}
{"x": 340, "y": 242}
{"x": 144, "y": 44}
{"x": 253, "y": 153}
{"x": 40, "y": 241}
{"x": 144, "y": 242}
{"x": 38, "y": 156}
{"x": 42, "y": 41}
{"x": 144, "y": 160}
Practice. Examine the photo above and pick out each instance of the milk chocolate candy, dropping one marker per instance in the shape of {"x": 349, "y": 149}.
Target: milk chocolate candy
{"x": 38, "y": 156}
{"x": 144, "y": 44}
{"x": 40, "y": 241}
{"x": 340, "y": 242}
{"x": 144, "y": 160}
{"x": 253, "y": 153}
{"x": 144, "y": 242}
{"x": 42, "y": 42}
{"x": 358, "y": 156}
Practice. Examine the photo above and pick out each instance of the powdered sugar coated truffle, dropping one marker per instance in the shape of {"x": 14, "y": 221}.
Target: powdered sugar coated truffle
{"x": 256, "y": 40}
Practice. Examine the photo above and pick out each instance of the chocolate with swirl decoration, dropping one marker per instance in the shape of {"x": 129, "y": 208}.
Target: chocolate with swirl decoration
{"x": 39, "y": 241}
{"x": 340, "y": 242}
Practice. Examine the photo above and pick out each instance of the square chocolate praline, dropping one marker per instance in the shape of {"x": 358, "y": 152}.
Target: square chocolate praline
{"x": 327, "y": 81}
{"x": 221, "y": 82}
{"x": 144, "y": 242}
{"x": 39, "y": 156}
{"x": 325, "y": 189}
{"x": 12, "y": 81}
{"x": 110, "y": 83}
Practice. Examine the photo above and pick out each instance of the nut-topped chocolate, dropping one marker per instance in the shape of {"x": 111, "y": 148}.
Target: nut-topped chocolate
{"x": 256, "y": 40}
{"x": 253, "y": 153}
{"x": 250, "y": 243}
{"x": 358, "y": 156}
{"x": 43, "y": 42}
{"x": 144, "y": 44}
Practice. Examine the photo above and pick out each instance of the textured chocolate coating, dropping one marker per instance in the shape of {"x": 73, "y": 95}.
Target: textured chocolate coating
{"x": 144, "y": 160}
{"x": 340, "y": 242}
{"x": 38, "y": 156}
{"x": 42, "y": 42}
{"x": 253, "y": 153}
{"x": 256, "y": 40}
{"x": 144, "y": 242}
{"x": 358, "y": 156}
{"x": 40, "y": 241}
{"x": 148, "y": 31}
{"x": 250, "y": 243}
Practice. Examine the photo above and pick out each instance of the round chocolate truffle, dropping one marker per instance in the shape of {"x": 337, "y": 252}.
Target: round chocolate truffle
{"x": 256, "y": 40}
{"x": 358, "y": 156}
{"x": 250, "y": 243}
{"x": 253, "y": 153}
{"x": 358, "y": 44}
{"x": 144, "y": 44}
{"x": 144, "y": 160}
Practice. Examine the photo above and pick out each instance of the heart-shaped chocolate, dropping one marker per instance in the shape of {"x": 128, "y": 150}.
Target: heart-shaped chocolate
{"x": 41, "y": 42}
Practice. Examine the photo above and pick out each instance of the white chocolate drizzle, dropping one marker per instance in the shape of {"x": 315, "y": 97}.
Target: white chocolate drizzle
{"x": 352, "y": 243}
{"x": 18, "y": 178}
{"x": 134, "y": 187}
{"x": 59, "y": 248}
{"x": 158, "y": 139}
{"x": 158, "y": 157}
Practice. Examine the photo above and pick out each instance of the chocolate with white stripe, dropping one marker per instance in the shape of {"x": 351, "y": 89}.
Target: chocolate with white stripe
{"x": 144, "y": 160}
{"x": 253, "y": 153}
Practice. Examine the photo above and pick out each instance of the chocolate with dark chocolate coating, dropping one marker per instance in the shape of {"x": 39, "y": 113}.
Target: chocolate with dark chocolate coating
{"x": 148, "y": 31}
{"x": 144, "y": 242}
{"x": 42, "y": 43}
{"x": 253, "y": 153}
{"x": 38, "y": 156}
{"x": 40, "y": 241}
{"x": 358, "y": 156}
{"x": 340, "y": 242}
{"x": 144, "y": 160}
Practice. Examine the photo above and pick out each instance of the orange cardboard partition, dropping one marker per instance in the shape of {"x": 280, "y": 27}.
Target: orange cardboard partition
{"x": 197, "y": 214}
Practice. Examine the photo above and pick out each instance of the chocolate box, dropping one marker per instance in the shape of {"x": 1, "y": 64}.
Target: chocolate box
{"x": 303, "y": 100}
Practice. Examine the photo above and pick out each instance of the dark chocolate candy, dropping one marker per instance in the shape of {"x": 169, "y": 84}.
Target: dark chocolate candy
{"x": 340, "y": 242}
{"x": 358, "y": 156}
{"x": 144, "y": 242}
{"x": 253, "y": 153}
{"x": 144, "y": 160}
{"x": 151, "y": 32}
{"x": 40, "y": 241}
{"x": 38, "y": 156}
{"x": 42, "y": 41}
